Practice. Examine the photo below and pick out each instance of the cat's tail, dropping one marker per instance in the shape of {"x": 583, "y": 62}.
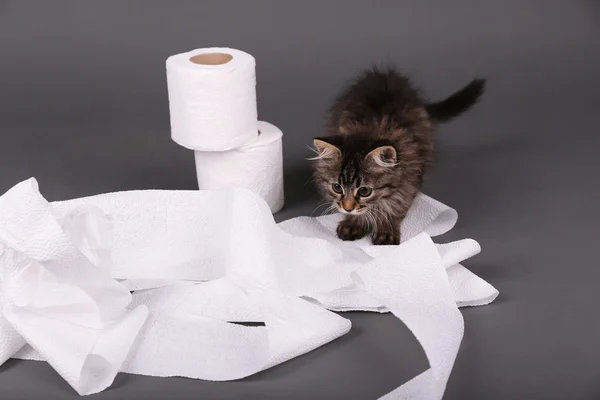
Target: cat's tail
{"x": 456, "y": 104}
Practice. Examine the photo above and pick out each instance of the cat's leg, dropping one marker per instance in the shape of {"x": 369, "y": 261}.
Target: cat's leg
{"x": 387, "y": 231}
{"x": 352, "y": 228}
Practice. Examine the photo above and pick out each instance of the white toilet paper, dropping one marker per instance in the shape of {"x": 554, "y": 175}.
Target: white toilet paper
{"x": 417, "y": 267}
{"x": 55, "y": 298}
{"x": 212, "y": 98}
{"x": 256, "y": 271}
{"x": 257, "y": 166}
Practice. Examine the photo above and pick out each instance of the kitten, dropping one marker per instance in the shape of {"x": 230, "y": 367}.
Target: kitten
{"x": 379, "y": 144}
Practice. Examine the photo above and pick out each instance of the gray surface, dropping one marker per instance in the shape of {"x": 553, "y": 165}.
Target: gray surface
{"x": 83, "y": 108}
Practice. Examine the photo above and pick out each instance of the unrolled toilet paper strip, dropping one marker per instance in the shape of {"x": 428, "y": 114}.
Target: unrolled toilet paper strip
{"x": 179, "y": 322}
{"x": 419, "y": 270}
{"x": 55, "y": 299}
{"x": 257, "y": 166}
{"x": 202, "y": 345}
{"x": 212, "y": 98}
{"x": 195, "y": 234}
{"x": 253, "y": 281}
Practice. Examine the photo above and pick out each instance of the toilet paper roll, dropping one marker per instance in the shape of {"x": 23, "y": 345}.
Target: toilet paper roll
{"x": 257, "y": 166}
{"x": 212, "y": 98}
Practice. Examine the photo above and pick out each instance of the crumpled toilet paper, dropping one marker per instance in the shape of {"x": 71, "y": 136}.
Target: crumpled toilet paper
{"x": 201, "y": 260}
{"x": 55, "y": 299}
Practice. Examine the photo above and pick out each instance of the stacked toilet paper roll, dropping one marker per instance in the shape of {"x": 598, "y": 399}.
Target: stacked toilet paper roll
{"x": 212, "y": 104}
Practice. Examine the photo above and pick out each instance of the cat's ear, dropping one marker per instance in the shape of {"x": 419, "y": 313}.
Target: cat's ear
{"x": 325, "y": 149}
{"x": 384, "y": 156}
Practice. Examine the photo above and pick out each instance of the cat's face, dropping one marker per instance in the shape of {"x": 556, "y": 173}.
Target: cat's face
{"x": 354, "y": 181}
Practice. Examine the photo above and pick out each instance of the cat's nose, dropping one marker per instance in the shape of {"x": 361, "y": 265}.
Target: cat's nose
{"x": 348, "y": 205}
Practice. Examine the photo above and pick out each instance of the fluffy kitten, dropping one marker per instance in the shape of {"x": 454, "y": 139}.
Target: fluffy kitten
{"x": 379, "y": 144}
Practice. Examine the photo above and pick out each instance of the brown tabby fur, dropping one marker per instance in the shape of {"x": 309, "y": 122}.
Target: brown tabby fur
{"x": 380, "y": 137}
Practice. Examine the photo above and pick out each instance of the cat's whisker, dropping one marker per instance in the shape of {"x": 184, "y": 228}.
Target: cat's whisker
{"x": 379, "y": 215}
{"x": 326, "y": 211}
{"x": 376, "y": 218}
{"x": 329, "y": 210}
{"x": 330, "y": 207}
{"x": 371, "y": 219}
{"x": 309, "y": 181}
{"x": 320, "y": 205}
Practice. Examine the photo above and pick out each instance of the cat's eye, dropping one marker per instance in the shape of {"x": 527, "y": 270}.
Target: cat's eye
{"x": 364, "y": 191}
{"x": 337, "y": 188}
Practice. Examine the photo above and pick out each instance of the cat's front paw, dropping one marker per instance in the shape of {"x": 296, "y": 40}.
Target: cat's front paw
{"x": 350, "y": 230}
{"x": 386, "y": 238}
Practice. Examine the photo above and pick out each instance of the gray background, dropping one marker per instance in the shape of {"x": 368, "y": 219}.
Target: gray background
{"x": 83, "y": 108}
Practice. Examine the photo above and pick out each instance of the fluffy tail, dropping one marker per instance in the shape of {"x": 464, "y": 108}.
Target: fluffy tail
{"x": 458, "y": 103}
